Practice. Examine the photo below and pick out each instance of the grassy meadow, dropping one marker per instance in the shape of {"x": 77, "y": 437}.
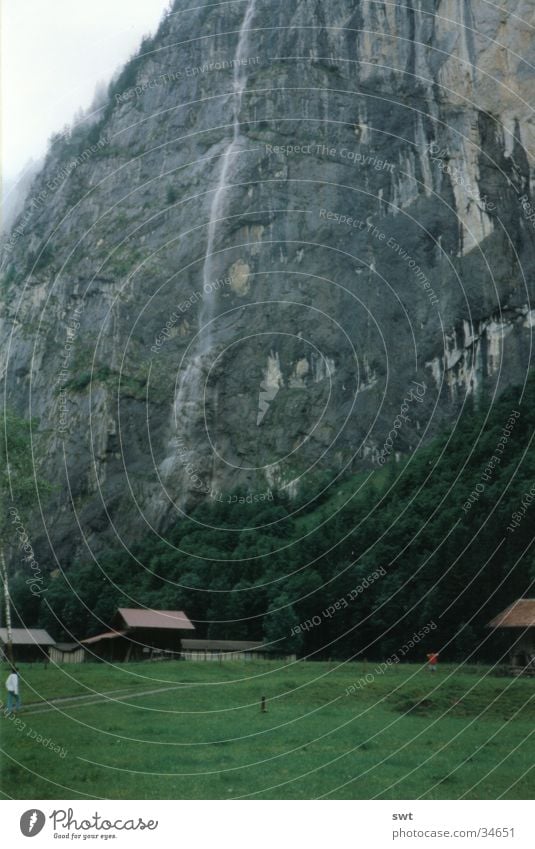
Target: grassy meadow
{"x": 195, "y": 731}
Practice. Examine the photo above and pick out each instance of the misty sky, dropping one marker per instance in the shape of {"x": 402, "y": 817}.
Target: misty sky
{"x": 54, "y": 52}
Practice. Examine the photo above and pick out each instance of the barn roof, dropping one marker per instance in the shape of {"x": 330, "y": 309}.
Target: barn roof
{"x": 520, "y": 614}
{"x": 222, "y": 645}
{"x": 107, "y": 635}
{"x": 27, "y": 637}
{"x": 144, "y": 618}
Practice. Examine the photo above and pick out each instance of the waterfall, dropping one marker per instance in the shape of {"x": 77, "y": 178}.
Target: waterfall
{"x": 218, "y": 204}
{"x": 190, "y": 385}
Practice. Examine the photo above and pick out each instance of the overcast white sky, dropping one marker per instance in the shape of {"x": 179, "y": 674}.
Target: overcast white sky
{"x": 53, "y": 53}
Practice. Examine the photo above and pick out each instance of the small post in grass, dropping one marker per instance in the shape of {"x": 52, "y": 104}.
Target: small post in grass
{"x": 263, "y": 708}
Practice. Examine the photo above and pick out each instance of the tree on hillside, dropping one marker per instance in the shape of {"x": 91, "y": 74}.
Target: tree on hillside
{"x": 18, "y": 489}
{"x": 281, "y": 627}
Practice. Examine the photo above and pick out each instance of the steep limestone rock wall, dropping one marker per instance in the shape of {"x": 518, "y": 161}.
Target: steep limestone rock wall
{"x": 286, "y": 217}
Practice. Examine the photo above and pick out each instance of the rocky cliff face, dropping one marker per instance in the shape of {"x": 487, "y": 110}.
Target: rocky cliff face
{"x": 299, "y": 236}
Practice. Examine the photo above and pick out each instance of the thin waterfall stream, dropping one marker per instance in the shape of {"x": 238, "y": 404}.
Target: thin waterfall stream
{"x": 191, "y": 383}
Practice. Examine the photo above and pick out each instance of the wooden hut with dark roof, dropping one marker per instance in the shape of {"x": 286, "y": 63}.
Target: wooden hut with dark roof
{"x": 29, "y": 644}
{"x": 519, "y": 619}
{"x": 140, "y": 634}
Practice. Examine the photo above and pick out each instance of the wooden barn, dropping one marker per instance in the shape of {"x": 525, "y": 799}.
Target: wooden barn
{"x": 29, "y": 644}
{"x": 222, "y": 650}
{"x": 140, "y": 634}
{"x": 67, "y": 653}
{"x": 519, "y": 619}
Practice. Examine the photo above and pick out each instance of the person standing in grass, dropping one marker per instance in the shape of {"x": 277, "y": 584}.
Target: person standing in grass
{"x": 432, "y": 660}
{"x": 12, "y": 687}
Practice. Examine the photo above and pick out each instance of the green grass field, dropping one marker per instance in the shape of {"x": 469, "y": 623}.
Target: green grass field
{"x": 406, "y": 735}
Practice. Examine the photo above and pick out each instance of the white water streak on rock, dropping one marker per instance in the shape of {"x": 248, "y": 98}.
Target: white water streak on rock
{"x": 190, "y": 385}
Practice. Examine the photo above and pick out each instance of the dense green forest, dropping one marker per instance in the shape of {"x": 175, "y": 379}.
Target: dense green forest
{"x": 439, "y": 526}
